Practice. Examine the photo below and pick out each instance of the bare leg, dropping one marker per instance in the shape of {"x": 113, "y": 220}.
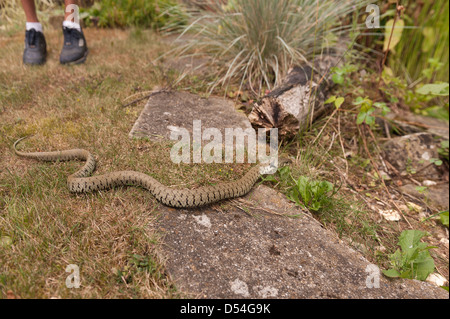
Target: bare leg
{"x": 30, "y": 10}
{"x": 68, "y": 2}
{"x": 35, "y": 52}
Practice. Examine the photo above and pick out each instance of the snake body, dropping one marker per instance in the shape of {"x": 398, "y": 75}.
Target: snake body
{"x": 82, "y": 182}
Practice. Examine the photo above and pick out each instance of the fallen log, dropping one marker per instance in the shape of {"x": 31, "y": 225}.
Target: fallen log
{"x": 297, "y": 101}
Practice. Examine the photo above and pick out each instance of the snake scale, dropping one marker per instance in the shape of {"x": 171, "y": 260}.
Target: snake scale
{"x": 82, "y": 182}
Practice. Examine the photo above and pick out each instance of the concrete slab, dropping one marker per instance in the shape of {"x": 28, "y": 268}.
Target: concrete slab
{"x": 250, "y": 247}
{"x": 257, "y": 251}
{"x": 167, "y": 110}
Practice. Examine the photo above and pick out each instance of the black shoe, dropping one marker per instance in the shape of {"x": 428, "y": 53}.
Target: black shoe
{"x": 35, "y": 48}
{"x": 75, "y": 49}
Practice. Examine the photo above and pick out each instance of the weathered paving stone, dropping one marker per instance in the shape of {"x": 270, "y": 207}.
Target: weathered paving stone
{"x": 245, "y": 249}
{"x": 166, "y": 111}
{"x": 252, "y": 252}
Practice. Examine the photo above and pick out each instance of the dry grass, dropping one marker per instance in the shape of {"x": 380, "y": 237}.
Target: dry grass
{"x": 107, "y": 233}
{"x": 253, "y": 43}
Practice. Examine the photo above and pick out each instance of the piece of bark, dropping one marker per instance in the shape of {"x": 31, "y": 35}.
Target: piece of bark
{"x": 298, "y": 99}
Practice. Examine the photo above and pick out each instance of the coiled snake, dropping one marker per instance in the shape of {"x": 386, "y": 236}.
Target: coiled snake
{"x": 82, "y": 182}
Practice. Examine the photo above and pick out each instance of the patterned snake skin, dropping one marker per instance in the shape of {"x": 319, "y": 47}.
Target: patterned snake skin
{"x": 82, "y": 182}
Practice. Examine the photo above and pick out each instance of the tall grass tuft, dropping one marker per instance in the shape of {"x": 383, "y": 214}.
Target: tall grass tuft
{"x": 424, "y": 45}
{"x": 257, "y": 41}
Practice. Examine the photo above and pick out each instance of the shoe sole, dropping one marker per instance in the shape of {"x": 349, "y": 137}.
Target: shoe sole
{"x": 79, "y": 61}
{"x": 34, "y": 63}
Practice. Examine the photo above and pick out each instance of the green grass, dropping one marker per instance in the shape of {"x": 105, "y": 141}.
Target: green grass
{"x": 43, "y": 226}
{"x": 153, "y": 14}
{"x": 428, "y": 39}
{"x": 111, "y": 234}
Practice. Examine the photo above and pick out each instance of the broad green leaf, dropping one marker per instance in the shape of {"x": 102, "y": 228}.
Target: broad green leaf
{"x": 384, "y": 108}
{"x": 361, "y": 118}
{"x": 429, "y": 39}
{"x": 392, "y": 273}
{"x": 444, "y": 218}
{"x": 370, "y": 120}
{"x": 396, "y": 34}
{"x": 440, "y": 89}
{"x": 269, "y": 178}
{"x": 329, "y": 186}
{"x": 413, "y": 260}
{"x": 315, "y": 206}
{"x": 387, "y": 75}
{"x": 359, "y": 100}
{"x": 330, "y": 100}
{"x": 303, "y": 188}
{"x": 367, "y": 106}
{"x": 339, "y": 102}
{"x": 397, "y": 258}
{"x": 409, "y": 240}
{"x": 406, "y": 274}
{"x": 380, "y": 104}
{"x": 284, "y": 172}
{"x": 423, "y": 268}
{"x": 438, "y": 163}
{"x": 293, "y": 196}
{"x": 337, "y": 78}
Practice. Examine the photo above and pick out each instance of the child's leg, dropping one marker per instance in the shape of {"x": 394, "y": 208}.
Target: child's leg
{"x": 66, "y": 3}
{"x": 35, "y": 46}
{"x": 70, "y": 21}
{"x": 30, "y": 10}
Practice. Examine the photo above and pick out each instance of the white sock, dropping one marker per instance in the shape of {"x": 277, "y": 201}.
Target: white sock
{"x": 34, "y": 25}
{"x": 71, "y": 25}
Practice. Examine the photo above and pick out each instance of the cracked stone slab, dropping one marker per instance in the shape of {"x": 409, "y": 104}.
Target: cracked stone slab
{"x": 166, "y": 111}
{"x": 250, "y": 249}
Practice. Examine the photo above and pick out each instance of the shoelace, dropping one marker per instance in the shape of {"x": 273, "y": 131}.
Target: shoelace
{"x": 70, "y": 34}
